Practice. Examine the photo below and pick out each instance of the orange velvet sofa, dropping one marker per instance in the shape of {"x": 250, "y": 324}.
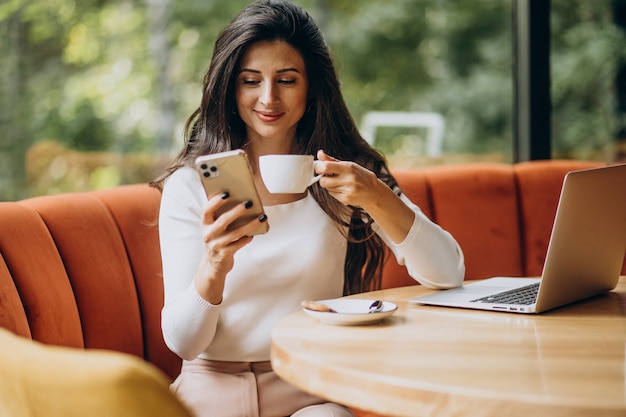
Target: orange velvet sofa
{"x": 83, "y": 270}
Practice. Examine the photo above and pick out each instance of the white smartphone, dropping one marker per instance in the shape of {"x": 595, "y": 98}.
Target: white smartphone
{"x": 230, "y": 172}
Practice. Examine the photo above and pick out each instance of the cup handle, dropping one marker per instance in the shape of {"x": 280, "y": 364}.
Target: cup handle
{"x": 315, "y": 178}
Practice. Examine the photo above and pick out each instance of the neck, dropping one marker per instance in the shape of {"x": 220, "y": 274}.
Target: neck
{"x": 257, "y": 147}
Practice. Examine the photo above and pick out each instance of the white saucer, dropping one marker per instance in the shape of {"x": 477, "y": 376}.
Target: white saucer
{"x": 351, "y": 311}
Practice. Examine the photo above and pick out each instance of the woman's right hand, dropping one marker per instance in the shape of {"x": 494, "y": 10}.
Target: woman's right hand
{"x": 220, "y": 246}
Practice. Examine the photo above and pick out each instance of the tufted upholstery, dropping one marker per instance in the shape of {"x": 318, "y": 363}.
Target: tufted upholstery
{"x": 82, "y": 270}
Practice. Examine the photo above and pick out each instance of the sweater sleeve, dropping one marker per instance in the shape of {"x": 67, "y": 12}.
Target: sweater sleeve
{"x": 431, "y": 255}
{"x": 188, "y": 321}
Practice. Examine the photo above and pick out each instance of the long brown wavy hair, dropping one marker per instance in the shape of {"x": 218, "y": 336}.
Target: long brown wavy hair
{"x": 327, "y": 124}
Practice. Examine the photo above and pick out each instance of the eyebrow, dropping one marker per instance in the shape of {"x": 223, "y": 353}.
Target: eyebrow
{"x": 280, "y": 71}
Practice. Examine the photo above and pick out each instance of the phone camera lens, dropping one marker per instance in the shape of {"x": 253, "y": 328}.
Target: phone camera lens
{"x": 206, "y": 174}
{"x": 213, "y": 168}
{"x": 204, "y": 166}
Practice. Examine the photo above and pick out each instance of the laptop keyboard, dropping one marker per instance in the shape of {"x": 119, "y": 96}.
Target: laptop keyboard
{"x": 520, "y": 296}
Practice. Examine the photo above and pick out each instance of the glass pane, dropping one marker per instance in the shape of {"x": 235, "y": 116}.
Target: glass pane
{"x": 95, "y": 94}
{"x": 588, "y": 68}
{"x": 444, "y": 65}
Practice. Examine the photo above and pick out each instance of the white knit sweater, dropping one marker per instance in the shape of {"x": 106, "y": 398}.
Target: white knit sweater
{"x": 301, "y": 258}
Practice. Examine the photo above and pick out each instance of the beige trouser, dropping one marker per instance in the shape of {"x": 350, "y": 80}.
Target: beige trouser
{"x": 246, "y": 389}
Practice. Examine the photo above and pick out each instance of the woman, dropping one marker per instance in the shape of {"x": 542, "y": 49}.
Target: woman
{"x": 271, "y": 88}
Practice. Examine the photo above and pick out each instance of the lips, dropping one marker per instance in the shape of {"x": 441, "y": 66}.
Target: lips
{"x": 268, "y": 117}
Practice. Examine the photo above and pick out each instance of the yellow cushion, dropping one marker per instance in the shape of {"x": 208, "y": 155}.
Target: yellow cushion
{"x": 39, "y": 380}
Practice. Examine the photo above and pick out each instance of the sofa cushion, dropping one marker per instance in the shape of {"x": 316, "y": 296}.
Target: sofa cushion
{"x": 135, "y": 209}
{"x": 478, "y": 205}
{"x": 44, "y": 295}
{"x": 93, "y": 253}
{"x": 12, "y": 314}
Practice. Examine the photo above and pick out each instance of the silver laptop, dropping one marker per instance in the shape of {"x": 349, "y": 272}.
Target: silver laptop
{"x": 584, "y": 257}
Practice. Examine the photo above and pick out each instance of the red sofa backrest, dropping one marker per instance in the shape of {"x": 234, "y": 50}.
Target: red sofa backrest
{"x": 500, "y": 214}
{"x": 84, "y": 270}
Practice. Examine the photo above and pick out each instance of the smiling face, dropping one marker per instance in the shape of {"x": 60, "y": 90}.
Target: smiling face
{"x": 271, "y": 93}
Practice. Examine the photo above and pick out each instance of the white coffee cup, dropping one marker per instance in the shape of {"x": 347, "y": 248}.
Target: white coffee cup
{"x": 288, "y": 174}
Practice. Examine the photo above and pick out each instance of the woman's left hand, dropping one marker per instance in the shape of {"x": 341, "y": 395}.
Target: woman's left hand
{"x": 348, "y": 182}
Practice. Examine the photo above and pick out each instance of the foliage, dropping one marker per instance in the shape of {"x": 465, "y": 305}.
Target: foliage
{"x": 53, "y": 168}
{"x": 119, "y": 77}
{"x": 428, "y": 56}
{"x": 587, "y": 51}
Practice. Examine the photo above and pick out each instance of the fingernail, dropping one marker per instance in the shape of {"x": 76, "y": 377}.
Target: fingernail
{"x": 248, "y": 204}
{"x": 225, "y": 195}
{"x": 262, "y": 218}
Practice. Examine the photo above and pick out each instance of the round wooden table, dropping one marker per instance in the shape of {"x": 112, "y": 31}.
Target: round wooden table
{"x": 437, "y": 361}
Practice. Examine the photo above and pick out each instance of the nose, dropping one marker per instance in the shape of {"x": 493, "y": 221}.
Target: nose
{"x": 269, "y": 94}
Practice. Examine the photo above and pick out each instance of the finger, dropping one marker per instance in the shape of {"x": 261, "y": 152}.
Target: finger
{"x": 329, "y": 166}
{"x": 323, "y": 156}
{"x": 240, "y": 243}
{"x": 211, "y": 207}
{"x": 224, "y": 222}
{"x": 222, "y": 243}
{"x": 227, "y": 246}
{"x": 246, "y": 229}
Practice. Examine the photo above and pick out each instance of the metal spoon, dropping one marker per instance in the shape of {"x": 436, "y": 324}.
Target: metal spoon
{"x": 376, "y": 306}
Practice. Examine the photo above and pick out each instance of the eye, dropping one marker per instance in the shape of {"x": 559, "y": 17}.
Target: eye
{"x": 287, "y": 81}
{"x": 249, "y": 81}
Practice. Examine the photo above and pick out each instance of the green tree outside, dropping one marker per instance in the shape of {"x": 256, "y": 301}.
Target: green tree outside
{"x": 94, "y": 93}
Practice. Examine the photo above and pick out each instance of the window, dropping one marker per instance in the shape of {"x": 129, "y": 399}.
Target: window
{"x": 95, "y": 94}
